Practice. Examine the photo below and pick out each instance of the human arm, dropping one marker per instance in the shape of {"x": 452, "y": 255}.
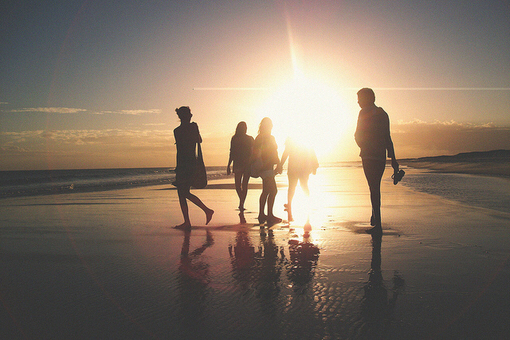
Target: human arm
{"x": 228, "y": 165}
{"x": 230, "y": 158}
{"x": 274, "y": 151}
{"x": 279, "y": 167}
{"x": 359, "y": 133}
{"x": 198, "y": 136}
{"x": 389, "y": 145}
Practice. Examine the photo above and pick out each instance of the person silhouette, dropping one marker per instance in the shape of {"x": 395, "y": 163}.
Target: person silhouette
{"x": 241, "y": 146}
{"x": 186, "y": 138}
{"x": 302, "y": 163}
{"x": 265, "y": 150}
{"x": 373, "y": 137}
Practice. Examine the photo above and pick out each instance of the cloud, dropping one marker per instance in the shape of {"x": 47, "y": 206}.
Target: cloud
{"x": 67, "y": 110}
{"x": 49, "y": 110}
{"x": 110, "y": 137}
{"x": 131, "y": 112}
{"x": 86, "y": 148}
{"x": 12, "y": 148}
{"x": 418, "y": 138}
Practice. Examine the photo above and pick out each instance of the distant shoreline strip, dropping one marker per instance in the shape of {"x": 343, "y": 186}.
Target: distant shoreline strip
{"x": 442, "y": 88}
{"x": 357, "y": 88}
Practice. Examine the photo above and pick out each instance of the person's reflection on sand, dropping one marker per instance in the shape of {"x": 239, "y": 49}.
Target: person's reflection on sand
{"x": 377, "y": 307}
{"x": 303, "y": 261}
{"x": 269, "y": 266}
{"x": 193, "y": 285}
{"x": 242, "y": 258}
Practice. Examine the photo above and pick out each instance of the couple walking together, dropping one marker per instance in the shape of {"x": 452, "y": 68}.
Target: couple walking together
{"x": 259, "y": 157}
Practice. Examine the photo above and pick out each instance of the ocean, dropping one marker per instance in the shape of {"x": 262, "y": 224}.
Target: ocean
{"x": 50, "y": 182}
{"x": 473, "y": 190}
{"x": 479, "y": 191}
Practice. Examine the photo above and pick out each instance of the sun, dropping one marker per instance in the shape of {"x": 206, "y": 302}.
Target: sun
{"x": 309, "y": 112}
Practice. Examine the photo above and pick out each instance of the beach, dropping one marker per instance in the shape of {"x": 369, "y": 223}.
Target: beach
{"x": 110, "y": 265}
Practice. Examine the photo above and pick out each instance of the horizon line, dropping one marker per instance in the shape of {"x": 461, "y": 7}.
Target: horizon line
{"x": 357, "y": 88}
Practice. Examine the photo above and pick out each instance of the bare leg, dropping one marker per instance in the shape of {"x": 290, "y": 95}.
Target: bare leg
{"x": 208, "y": 212}
{"x": 184, "y": 207}
{"x": 373, "y": 172}
{"x": 262, "y": 202}
{"x": 239, "y": 188}
{"x": 272, "y": 191}
{"x": 290, "y": 195}
{"x": 185, "y": 194}
{"x": 303, "y": 181}
{"x": 244, "y": 191}
{"x": 292, "y": 189}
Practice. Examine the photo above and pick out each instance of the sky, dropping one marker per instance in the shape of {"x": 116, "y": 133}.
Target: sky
{"x": 95, "y": 84}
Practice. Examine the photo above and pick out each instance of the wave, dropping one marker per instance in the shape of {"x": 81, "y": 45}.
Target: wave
{"x": 50, "y": 182}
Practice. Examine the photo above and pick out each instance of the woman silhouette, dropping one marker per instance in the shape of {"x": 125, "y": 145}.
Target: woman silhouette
{"x": 302, "y": 163}
{"x": 186, "y": 138}
{"x": 373, "y": 137}
{"x": 266, "y": 150}
{"x": 241, "y": 146}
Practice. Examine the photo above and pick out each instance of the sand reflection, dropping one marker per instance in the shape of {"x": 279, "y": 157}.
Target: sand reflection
{"x": 194, "y": 279}
{"x": 378, "y": 305}
{"x": 304, "y": 256}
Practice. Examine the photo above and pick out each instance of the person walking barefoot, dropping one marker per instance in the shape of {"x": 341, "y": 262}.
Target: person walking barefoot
{"x": 373, "y": 137}
{"x": 266, "y": 150}
{"x": 186, "y": 138}
{"x": 241, "y": 146}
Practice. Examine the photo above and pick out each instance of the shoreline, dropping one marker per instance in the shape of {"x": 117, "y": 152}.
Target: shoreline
{"x": 495, "y": 163}
{"x": 493, "y": 169}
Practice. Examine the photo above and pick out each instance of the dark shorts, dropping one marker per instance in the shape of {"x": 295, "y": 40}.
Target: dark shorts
{"x": 241, "y": 169}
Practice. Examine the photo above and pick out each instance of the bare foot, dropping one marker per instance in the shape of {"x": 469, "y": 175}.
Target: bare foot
{"x": 272, "y": 220}
{"x": 377, "y": 230}
{"x": 208, "y": 216}
{"x": 184, "y": 226}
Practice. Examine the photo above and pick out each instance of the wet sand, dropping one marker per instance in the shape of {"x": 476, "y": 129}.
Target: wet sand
{"x": 109, "y": 265}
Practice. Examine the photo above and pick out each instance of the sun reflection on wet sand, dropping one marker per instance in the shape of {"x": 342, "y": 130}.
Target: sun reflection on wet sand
{"x": 111, "y": 264}
{"x": 332, "y": 198}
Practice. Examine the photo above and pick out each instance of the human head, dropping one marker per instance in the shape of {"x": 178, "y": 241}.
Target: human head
{"x": 266, "y": 125}
{"x": 184, "y": 113}
{"x": 241, "y": 128}
{"x": 366, "y": 97}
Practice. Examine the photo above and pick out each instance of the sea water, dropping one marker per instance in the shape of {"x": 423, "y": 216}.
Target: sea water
{"x": 480, "y": 191}
{"x": 48, "y": 182}
{"x": 474, "y": 190}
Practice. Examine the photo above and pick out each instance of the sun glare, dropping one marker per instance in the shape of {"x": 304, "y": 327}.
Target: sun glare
{"x": 310, "y": 112}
